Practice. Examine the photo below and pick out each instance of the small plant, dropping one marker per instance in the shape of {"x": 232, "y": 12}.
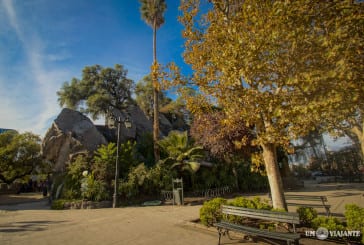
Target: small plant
{"x": 211, "y": 211}
{"x": 58, "y": 204}
{"x": 278, "y": 210}
{"x": 243, "y": 202}
{"x": 256, "y": 203}
{"x": 93, "y": 189}
{"x": 306, "y": 214}
{"x": 329, "y": 223}
{"x": 355, "y": 218}
{"x": 269, "y": 227}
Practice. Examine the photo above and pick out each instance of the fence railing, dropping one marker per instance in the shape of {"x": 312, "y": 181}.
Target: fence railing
{"x": 167, "y": 195}
{"x": 207, "y": 193}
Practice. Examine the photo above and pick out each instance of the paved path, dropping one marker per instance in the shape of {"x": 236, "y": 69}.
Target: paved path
{"x": 33, "y": 223}
{"x": 133, "y": 225}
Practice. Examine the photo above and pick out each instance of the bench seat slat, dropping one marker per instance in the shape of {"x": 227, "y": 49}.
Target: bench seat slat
{"x": 255, "y": 231}
{"x": 306, "y": 197}
{"x": 308, "y": 205}
{"x": 286, "y": 217}
{"x": 292, "y": 218}
{"x": 322, "y": 201}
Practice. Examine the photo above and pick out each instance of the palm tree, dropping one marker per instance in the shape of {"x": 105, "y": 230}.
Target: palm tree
{"x": 181, "y": 154}
{"x": 152, "y": 13}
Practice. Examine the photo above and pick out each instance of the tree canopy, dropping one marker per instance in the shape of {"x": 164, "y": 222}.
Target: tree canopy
{"x": 19, "y": 155}
{"x": 180, "y": 152}
{"x": 144, "y": 96}
{"x": 283, "y": 67}
{"x": 100, "y": 90}
{"x": 209, "y": 131}
{"x": 152, "y": 12}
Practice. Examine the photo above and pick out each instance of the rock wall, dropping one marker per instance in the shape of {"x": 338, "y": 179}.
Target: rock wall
{"x": 73, "y": 133}
{"x": 70, "y": 133}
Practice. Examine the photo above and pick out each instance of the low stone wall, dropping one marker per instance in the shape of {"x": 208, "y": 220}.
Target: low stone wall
{"x": 9, "y": 189}
{"x": 87, "y": 204}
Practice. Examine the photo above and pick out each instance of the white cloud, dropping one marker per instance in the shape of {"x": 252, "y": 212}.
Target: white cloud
{"x": 41, "y": 100}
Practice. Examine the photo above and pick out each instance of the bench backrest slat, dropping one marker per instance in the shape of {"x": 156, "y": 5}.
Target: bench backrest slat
{"x": 306, "y": 197}
{"x": 286, "y": 217}
{"x": 303, "y": 197}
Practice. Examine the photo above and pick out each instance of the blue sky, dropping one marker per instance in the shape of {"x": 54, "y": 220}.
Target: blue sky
{"x": 44, "y": 43}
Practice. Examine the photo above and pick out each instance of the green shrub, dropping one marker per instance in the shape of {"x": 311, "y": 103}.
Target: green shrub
{"x": 329, "y": 223}
{"x": 94, "y": 190}
{"x": 355, "y": 218}
{"x": 306, "y": 214}
{"x": 255, "y": 203}
{"x": 278, "y": 210}
{"x": 70, "y": 194}
{"x": 243, "y": 202}
{"x": 211, "y": 211}
{"x": 58, "y": 204}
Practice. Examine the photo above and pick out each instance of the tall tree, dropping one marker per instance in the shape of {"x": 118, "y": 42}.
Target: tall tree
{"x": 152, "y": 12}
{"x": 274, "y": 64}
{"x": 144, "y": 96}
{"x": 343, "y": 28}
{"x": 19, "y": 155}
{"x": 100, "y": 90}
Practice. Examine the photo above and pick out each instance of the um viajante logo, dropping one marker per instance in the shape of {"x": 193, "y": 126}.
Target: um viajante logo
{"x": 322, "y": 233}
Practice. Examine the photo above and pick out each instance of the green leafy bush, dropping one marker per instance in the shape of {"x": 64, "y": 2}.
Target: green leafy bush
{"x": 143, "y": 181}
{"x": 70, "y": 194}
{"x": 329, "y": 223}
{"x": 255, "y": 203}
{"x": 278, "y": 210}
{"x": 243, "y": 202}
{"x": 95, "y": 190}
{"x": 211, "y": 211}
{"x": 306, "y": 214}
{"x": 58, "y": 204}
{"x": 355, "y": 218}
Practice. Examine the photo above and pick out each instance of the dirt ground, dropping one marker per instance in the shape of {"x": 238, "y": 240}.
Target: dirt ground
{"x": 34, "y": 223}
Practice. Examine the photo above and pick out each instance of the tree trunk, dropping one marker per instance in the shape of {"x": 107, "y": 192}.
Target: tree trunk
{"x": 274, "y": 177}
{"x": 357, "y": 132}
{"x": 155, "y": 98}
{"x": 236, "y": 177}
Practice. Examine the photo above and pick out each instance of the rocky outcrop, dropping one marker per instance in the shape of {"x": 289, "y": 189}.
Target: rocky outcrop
{"x": 140, "y": 124}
{"x": 71, "y": 133}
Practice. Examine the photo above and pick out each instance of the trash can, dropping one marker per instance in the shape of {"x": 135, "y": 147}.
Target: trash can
{"x": 178, "y": 196}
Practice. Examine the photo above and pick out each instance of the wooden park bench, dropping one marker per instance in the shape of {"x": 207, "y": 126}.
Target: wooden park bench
{"x": 302, "y": 201}
{"x": 224, "y": 227}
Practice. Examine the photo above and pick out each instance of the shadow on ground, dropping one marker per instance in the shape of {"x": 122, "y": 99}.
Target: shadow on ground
{"x": 42, "y": 204}
{"x": 39, "y": 225}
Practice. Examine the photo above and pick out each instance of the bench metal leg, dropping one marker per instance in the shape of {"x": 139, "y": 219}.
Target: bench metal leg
{"x": 223, "y": 232}
{"x": 220, "y": 232}
{"x": 228, "y": 234}
{"x": 295, "y": 242}
{"x": 327, "y": 211}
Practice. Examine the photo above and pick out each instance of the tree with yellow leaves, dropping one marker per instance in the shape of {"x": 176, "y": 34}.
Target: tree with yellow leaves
{"x": 284, "y": 67}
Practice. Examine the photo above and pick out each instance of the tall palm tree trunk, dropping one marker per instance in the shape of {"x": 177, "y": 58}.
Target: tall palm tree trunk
{"x": 155, "y": 97}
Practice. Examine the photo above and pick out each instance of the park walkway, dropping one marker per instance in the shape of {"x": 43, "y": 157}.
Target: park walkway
{"x": 33, "y": 223}
{"x": 132, "y": 225}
